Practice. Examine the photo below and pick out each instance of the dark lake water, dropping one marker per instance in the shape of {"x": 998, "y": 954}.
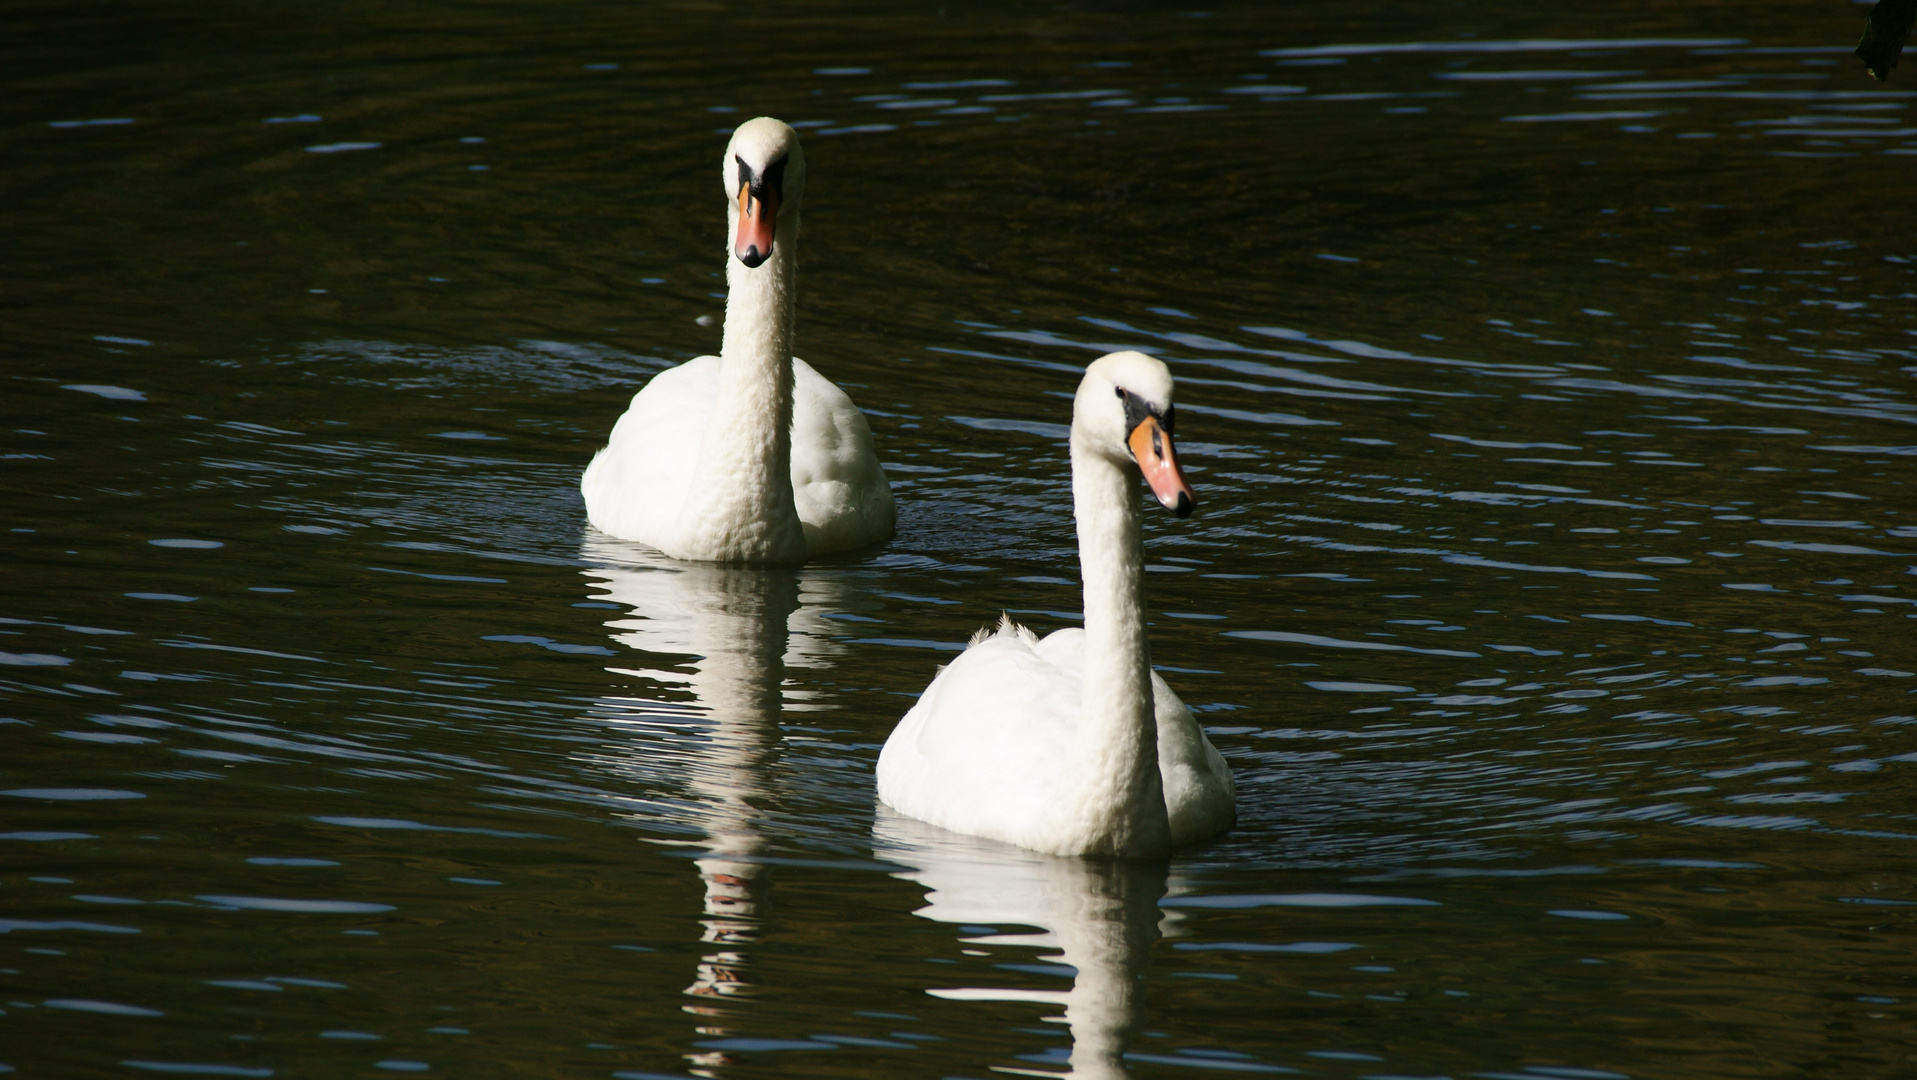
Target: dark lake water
{"x": 1546, "y": 380}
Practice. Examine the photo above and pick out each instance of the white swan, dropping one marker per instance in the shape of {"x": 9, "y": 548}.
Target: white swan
{"x": 1073, "y": 745}
{"x": 749, "y": 456}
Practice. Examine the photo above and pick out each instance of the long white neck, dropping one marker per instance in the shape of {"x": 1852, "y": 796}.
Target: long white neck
{"x": 741, "y": 508}
{"x": 1118, "y": 799}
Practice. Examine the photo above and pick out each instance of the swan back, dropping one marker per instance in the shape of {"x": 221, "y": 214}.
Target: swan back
{"x": 838, "y": 486}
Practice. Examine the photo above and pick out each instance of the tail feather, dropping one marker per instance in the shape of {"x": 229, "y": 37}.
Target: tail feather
{"x": 1006, "y": 628}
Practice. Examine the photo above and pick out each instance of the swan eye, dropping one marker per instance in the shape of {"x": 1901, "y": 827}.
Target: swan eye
{"x": 756, "y": 182}
{"x": 1137, "y": 409}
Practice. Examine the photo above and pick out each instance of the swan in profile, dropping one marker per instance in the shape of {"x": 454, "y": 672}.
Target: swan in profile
{"x": 750, "y": 456}
{"x": 1073, "y": 745}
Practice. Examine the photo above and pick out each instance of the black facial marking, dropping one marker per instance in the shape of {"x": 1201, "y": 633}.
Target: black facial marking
{"x": 1136, "y": 410}
{"x": 773, "y": 177}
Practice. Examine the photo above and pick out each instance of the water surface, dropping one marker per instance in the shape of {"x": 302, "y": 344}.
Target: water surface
{"x": 1545, "y": 381}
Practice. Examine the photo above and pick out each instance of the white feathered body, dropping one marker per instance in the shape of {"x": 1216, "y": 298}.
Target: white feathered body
{"x": 750, "y": 456}
{"x": 1073, "y": 745}
{"x": 637, "y": 487}
{"x": 983, "y": 752}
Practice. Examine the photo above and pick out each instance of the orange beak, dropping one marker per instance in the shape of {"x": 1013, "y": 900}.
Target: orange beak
{"x": 757, "y": 216}
{"x": 1151, "y": 447}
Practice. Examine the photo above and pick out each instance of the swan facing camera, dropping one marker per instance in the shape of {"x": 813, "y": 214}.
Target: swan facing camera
{"x": 755, "y": 174}
{"x": 751, "y": 456}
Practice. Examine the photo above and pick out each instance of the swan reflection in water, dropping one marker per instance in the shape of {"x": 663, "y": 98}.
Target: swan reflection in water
{"x": 718, "y": 641}
{"x": 1101, "y": 915}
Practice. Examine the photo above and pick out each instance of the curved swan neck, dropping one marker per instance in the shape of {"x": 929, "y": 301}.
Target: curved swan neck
{"x": 1116, "y": 749}
{"x": 759, "y": 300}
{"x": 741, "y": 509}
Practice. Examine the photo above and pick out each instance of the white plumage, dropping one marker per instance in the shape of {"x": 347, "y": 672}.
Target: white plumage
{"x": 1073, "y": 745}
{"x": 983, "y": 750}
{"x": 750, "y": 456}
{"x": 637, "y": 487}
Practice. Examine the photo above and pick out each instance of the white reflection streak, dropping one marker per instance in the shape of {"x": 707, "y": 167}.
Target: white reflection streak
{"x": 744, "y": 626}
{"x": 1101, "y": 915}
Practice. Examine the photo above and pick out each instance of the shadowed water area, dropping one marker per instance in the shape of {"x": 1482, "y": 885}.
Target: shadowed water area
{"x": 1544, "y": 377}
